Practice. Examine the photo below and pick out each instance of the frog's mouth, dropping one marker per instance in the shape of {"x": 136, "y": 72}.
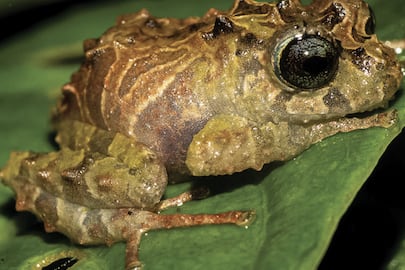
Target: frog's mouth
{"x": 333, "y": 116}
{"x": 366, "y": 114}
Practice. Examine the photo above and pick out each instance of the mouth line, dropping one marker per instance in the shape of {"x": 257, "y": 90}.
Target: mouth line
{"x": 365, "y": 114}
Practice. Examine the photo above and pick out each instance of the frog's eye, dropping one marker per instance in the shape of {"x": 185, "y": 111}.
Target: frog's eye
{"x": 370, "y": 24}
{"x": 306, "y": 62}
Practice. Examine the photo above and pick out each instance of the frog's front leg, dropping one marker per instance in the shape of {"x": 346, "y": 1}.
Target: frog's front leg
{"x": 230, "y": 143}
{"x": 226, "y": 144}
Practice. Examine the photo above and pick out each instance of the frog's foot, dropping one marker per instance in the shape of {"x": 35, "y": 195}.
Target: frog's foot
{"x": 132, "y": 261}
{"x": 194, "y": 194}
{"x": 157, "y": 221}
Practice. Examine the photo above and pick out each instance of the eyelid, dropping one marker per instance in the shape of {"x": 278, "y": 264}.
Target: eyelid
{"x": 371, "y": 22}
{"x": 365, "y": 25}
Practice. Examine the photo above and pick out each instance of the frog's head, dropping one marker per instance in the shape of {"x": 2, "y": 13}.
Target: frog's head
{"x": 329, "y": 60}
{"x": 326, "y": 60}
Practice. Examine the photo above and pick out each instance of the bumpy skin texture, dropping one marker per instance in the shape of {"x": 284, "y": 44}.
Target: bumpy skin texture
{"x": 159, "y": 81}
{"x": 157, "y": 98}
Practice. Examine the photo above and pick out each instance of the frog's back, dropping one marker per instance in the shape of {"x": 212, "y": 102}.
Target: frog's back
{"x": 136, "y": 80}
{"x": 140, "y": 78}
{"x": 126, "y": 70}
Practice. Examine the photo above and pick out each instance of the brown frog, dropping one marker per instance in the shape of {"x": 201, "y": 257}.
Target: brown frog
{"x": 160, "y": 98}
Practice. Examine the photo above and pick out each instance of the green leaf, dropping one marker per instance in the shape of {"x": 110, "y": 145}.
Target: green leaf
{"x": 299, "y": 203}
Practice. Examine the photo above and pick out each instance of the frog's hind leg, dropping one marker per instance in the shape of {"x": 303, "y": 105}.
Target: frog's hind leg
{"x": 153, "y": 221}
{"x": 88, "y": 226}
{"x": 100, "y": 169}
{"x": 160, "y": 221}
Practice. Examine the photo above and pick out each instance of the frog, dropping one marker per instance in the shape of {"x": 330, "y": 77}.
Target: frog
{"x": 159, "y": 99}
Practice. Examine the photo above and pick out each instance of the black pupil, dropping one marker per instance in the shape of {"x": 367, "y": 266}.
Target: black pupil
{"x": 315, "y": 65}
{"x": 308, "y": 62}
